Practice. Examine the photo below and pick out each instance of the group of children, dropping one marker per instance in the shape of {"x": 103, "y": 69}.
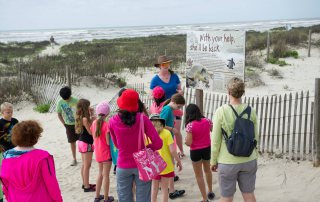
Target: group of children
{"x": 90, "y": 128}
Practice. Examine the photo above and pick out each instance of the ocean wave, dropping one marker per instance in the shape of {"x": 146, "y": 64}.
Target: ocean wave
{"x": 71, "y": 35}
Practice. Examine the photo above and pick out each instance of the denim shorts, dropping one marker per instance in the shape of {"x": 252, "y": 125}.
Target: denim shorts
{"x": 243, "y": 173}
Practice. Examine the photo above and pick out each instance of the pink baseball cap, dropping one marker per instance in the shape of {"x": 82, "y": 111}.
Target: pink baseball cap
{"x": 103, "y": 108}
{"x": 158, "y": 92}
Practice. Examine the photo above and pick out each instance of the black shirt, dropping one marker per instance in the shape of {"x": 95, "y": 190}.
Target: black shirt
{"x": 5, "y": 133}
{"x": 86, "y": 137}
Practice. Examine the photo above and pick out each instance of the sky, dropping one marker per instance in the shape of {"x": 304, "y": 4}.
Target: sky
{"x": 55, "y": 14}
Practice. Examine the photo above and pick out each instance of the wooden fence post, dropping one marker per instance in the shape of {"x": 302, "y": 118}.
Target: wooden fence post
{"x": 68, "y": 76}
{"x": 268, "y": 46}
{"x": 316, "y": 125}
{"x": 199, "y": 99}
{"x": 309, "y": 44}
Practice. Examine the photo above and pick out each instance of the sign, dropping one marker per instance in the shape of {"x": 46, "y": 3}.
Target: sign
{"x": 213, "y": 58}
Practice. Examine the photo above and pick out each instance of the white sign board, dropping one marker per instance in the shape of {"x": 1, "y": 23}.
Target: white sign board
{"x": 214, "y": 57}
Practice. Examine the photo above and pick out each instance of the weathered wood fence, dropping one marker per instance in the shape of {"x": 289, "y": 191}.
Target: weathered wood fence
{"x": 45, "y": 89}
{"x": 285, "y": 121}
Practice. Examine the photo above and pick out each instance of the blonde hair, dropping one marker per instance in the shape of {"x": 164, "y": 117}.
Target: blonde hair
{"x": 82, "y": 112}
{"x": 158, "y": 125}
{"x": 6, "y": 105}
{"x": 236, "y": 87}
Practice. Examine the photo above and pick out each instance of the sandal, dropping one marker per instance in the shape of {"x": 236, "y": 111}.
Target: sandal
{"x": 211, "y": 195}
{"x": 90, "y": 189}
{"x": 110, "y": 199}
{"x": 99, "y": 199}
{"x": 91, "y": 185}
{"x": 181, "y": 155}
{"x": 176, "y": 178}
{"x": 176, "y": 194}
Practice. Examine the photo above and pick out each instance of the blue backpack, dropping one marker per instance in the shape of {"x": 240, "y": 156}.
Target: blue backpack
{"x": 241, "y": 142}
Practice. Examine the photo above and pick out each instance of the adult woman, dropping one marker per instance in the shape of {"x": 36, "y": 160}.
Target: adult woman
{"x": 171, "y": 84}
{"x": 233, "y": 168}
{"x": 124, "y": 130}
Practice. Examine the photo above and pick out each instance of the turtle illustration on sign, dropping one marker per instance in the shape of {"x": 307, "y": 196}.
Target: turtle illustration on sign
{"x": 196, "y": 74}
{"x": 231, "y": 63}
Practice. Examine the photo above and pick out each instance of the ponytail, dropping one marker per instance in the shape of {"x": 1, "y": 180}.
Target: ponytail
{"x": 99, "y": 125}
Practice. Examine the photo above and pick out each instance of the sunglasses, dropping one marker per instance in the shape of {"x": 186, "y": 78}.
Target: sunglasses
{"x": 165, "y": 64}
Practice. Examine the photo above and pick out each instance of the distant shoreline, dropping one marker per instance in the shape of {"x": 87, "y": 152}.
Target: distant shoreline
{"x": 81, "y": 34}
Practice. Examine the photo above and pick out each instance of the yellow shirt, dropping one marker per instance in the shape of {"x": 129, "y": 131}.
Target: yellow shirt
{"x": 164, "y": 152}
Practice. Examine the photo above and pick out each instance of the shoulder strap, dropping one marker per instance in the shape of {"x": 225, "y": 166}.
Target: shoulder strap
{"x": 246, "y": 111}
{"x": 224, "y": 134}
{"x": 141, "y": 133}
{"x": 234, "y": 111}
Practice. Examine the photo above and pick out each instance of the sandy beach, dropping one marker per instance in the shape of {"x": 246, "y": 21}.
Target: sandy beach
{"x": 277, "y": 179}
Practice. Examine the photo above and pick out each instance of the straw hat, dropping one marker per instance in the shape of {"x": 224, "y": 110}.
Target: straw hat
{"x": 162, "y": 59}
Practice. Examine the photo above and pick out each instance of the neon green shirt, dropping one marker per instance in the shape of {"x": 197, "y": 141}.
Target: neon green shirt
{"x": 225, "y": 118}
{"x": 68, "y": 110}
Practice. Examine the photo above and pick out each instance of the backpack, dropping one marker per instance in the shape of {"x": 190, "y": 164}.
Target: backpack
{"x": 241, "y": 141}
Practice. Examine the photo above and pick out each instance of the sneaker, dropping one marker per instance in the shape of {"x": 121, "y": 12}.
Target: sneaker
{"x": 211, "y": 195}
{"x": 176, "y": 194}
{"x": 74, "y": 163}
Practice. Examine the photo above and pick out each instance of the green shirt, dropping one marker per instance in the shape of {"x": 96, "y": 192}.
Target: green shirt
{"x": 68, "y": 110}
{"x": 225, "y": 118}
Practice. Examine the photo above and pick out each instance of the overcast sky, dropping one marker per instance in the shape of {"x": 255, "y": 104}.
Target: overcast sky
{"x": 53, "y": 14}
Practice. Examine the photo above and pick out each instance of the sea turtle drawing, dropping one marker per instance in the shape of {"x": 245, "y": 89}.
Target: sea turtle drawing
{"x": 197, "y": 73}
{"x": 231, "y": 63}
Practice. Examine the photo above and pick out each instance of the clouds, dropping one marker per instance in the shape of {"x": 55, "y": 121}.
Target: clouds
{"x": 41, "y": 14}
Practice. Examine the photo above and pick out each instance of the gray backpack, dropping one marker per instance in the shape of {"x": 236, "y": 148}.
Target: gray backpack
{"x": 241, "y": 142}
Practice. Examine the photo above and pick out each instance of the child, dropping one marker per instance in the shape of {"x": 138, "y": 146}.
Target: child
{"x": 66, "y": 108}
{"x": 167, "y": 152}
{"x": 85, "y": 144}
{"x": 99, "y": 130}
{"x": 177, "y": 101}
{"x": 159, "y": 97}
{"x": 27, "y": 173}
{"x": 198, "y": 138}
{"x": 6, "y": 124}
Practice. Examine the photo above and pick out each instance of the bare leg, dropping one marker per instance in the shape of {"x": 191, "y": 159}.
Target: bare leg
{"x": 99, "y": 180}
{"x": 86, "y": 168}
{"x": 249, "y": 197}
{"x": 226, "y": 199}
{"x": 106, "y": 178}
{"x": 178, "y": 135}
{"x": 164, "y": 188}
{"x": 208, "y": 174}
{"x": 73, "y": 150}
{"x": 197, "y": 168}
{"x": 154, "y": 190}
{"x": 171, "y": 185}
{"x": 82, "y": 168}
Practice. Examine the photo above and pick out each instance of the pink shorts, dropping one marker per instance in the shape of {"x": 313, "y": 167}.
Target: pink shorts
{"x": 168, "y": 175}
{"x": 85, "y": 147}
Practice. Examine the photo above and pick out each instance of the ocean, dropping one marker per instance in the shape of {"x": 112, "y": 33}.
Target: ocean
{"x": 71, "y": 35}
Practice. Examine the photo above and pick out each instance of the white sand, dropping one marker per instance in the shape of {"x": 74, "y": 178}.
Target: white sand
{"x": 277, "y": 179}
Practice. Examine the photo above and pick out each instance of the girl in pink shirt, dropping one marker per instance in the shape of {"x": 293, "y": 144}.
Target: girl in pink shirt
{"x": 124, "y": 130}
{"x": 198, "y": 130}
{"x": 159, "y": 98}
{"x": 100, "y": 133}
